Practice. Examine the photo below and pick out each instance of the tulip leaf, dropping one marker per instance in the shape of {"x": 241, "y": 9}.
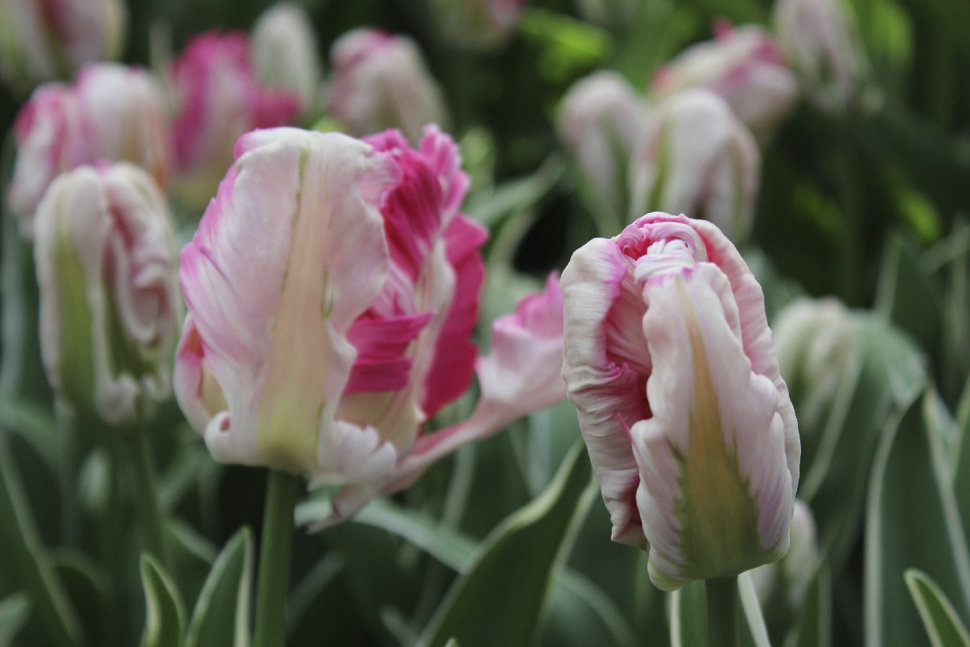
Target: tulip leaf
{"x": 814, "y": 625}
{"x": 221, "y": 616}
{"x": 688, "y": 615}
{"x": 908, "y": 296}
{"x": 14, "y": 613}
{"x": 939, "y": 617}
{"x": 35, "y": 425}
{"x": 26, "y": 559}
{"x": 911, "y": 523}
{"x": 961, "y": 473}
{"x": 164, "y": 618}
{"x": 511, "y": 575}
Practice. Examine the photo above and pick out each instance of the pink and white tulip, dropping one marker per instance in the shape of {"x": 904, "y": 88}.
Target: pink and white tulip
{"x": 105, "y": 257}
{"x": 332, "y": 290}
{"x": 745, "y": 67}
{"x": 697, "y": 158}
{"x": 112, "y": 113}
{"x": 44, "y": 40}
{"x": 824, "y": 48}
{"x": 601, "y": 120}
{"x": 218, "y": 98}
{"x": 284, "y": 52}
{"x": 380, "y": 81}
{"x": 689, "y": 425}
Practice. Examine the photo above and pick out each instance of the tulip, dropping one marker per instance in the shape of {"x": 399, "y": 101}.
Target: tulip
{"x": 380, "y": 81}
{"x": 332, "y": 289}
{"x": 105, "y": 257}
{"x": 823, "y": 46}
{"x": 112, "y": 113}
{"x": 696, "y": 157}
{"x": 284, "y": 51}
{"x": 792, "y": 574}
{"x": 668, "y": 359}
{"x": 218, "y": 98}
{"x": 745, "y": 67}
{"x": 601, "y": 120}
{"x": 476, "y": 24}
{"x": 43, "y": 41}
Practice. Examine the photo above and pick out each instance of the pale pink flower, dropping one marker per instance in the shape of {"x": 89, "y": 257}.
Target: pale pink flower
{"x": 105, "y": 257}
{"x": 218, "y": 98}
{"x": 476, "y": 24}
{"x": 112, "y": 113}
{"x": 381, "y": 81}
{"x": 745, "y": 67}
{"x": 332, "y": 291}
{"x": 47, "y": 40}
{"x": 689, "y": 426}
{"x": 697, "y": 158}
{"x": 284, "y": 52}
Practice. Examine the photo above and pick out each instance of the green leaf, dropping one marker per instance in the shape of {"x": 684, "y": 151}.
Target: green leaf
{"x": 25, "y": 558}
{"x": 911, "y": 523}
{"x": 35, "y": 425}
{"x": 814, "y": 625}
{"x": 939, "y": 617}
{"x": 14, "y": 612}
{"x": 224, "y": 596}
{"x": 688, "y": 615}
{"x": 164, "y": 618}
{"x": 492, "y": 206}
{"x": 510, "y": 576}
{"x": 908, "y": 296}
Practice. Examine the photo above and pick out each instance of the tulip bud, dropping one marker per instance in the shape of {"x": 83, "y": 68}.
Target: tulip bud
{"x": 112, "y": 113}
{"x": 327, "y": 355}
{"x": 218, "y": 99}
{"x": 380, "y": 81}
{"x": 108, "y": 303}
{"x": 823, "y": 46}
{"x": 745, "y": 67}
{"x": 41, "y": 41}
{"x": 690, "y": 429}
{"x": 284, "y": 50}
{"x": 791, "y": 575}
{"x": 476, "y": 24}
{"x": 697, "y": 158}
{"x": 601, "y": 120}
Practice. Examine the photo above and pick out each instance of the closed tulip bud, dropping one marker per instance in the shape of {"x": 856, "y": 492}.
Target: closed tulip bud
{"x": 697, "y": 158}
{"x": 476, "y": 24}
{"x": 601, "y": 120}
{"x": 218, "y": 98}
{"x": 791, "y": 575}
{"x": 112, "y": 113}
{"x": 690, "y": 429}
{"x": 284, "y": 50}
{"x": 745, "y": 67}
{"x": 332, "y": 289}
{"x": 43, "y": 41}
{"x": 824, "y": 49}
{"x": 105, "y": 260}
{"x": 380, "y": 81}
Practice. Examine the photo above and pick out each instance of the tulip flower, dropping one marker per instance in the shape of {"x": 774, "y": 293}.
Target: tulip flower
{"x": 380, "y": 81}
{"x": 823, "y": 46}
{"x": 696, "y": 157}
{"x": 112, "y": 113}
{"x": 41, "y": 41}
{"x": 745, "y": 67}
{"x": 218, "y": 98}
{"x": 476, "y": 24}
{"x": 284, "y": 52}
{"x": 792, "y": 574}
{"x": 105, "y": 257}
{"x": 600, "y": 120}
{"x": 332, "y": 289}
{"x": 668, "y": 359}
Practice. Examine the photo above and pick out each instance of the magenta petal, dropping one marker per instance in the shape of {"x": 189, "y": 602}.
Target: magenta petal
{"x": 381, "y": 343}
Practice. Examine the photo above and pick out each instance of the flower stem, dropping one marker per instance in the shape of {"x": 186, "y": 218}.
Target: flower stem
{"x": 282, "y": 490}
{"x": 722, "y": 611}
{"x": 153, "y": 525}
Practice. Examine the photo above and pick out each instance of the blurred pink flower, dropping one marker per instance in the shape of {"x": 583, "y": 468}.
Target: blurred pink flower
{"x": 112, "y": 113}
{"x": 381, "y": 81}
{"x": 284, "y": 52}
{"x": 105, "y": 257}
{"x": 476, "y": 24}
{"x": 689, "y": 425}
{"x": 218, "y": 98}
{"x": 745, "y": 67}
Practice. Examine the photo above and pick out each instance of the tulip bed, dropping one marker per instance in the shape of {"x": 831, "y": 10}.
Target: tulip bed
{"x": 485, "y": 323}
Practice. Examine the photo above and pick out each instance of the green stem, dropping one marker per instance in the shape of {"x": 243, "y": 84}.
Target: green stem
{"x": 153, "y": 522}
{"x": 722, "y": 612}
{"x": 282, "y": 491}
